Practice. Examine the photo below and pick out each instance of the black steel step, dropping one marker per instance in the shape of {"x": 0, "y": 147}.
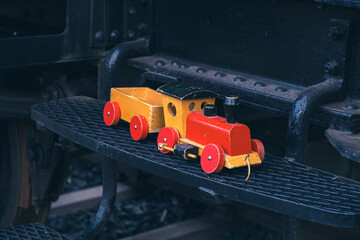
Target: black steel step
{"x": 255, "y": 91}
{"x": 278, "y": 185}
{"x": 30, "y": 231}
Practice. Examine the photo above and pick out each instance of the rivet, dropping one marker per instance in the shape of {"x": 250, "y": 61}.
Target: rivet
{"x": 115, "y": 35}
{"x": 135, "y": 127}
{"x": 219, "y": 74}
{"x": 99, "y": 36}
{"x": 331, "y": 68}
{"x": 335, "y": 32}
{"x": 160, "y": 145}
{"x": 240, "y": 79}
{"x": 165, "y": 139}
{"x": 183, "y": 66}
{"x": 160, "y": 63}
{"x": 280, "y": 89}
{"x": 175, "y": 63}
{"x": 108, "y": 113}
{"x": 209, "y": 158}
{"x": 259, "y": 84}
{"x": 131, "y": 10}
{"x": 141, "y": 28}
{"x": 201, "y": 70}
{"x": 130, "y": 35}
{"x": 351, "y": 106}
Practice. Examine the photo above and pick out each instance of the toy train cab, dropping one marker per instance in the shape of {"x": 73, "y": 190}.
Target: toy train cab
{"x": 193, "y": 129}
{"x": 185, "y": 118}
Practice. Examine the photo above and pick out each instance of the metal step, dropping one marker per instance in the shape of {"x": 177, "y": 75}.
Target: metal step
{"x": 258, "y": 92}
{"x": 30, "y": 231}
{"x": 278, "y": 185}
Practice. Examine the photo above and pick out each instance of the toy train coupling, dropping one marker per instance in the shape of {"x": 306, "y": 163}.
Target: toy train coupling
{"x": 187, "y": 124}
{"x": 187, "y": 151}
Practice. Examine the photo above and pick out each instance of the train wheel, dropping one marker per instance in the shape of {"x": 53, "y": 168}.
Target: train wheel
{"x": 16, "y": 206}
{"x": 169, "y": 136}
{"x": 111, "y": 113}
{"x": 257, "y": 146}
{"x": 212, "y": 158}
{"x": 138, "y": 127}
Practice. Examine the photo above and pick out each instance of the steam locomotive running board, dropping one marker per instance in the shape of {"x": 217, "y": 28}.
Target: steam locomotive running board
{"x": 30, "y": 231}
{"x": 278, "y": 185}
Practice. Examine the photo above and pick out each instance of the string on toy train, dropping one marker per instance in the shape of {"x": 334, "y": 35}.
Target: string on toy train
{"x": 248, "y": 165}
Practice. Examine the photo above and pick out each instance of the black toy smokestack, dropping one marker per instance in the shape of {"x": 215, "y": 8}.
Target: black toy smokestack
{"x": 231, "y": 107}
{"x": 210, "y": 110}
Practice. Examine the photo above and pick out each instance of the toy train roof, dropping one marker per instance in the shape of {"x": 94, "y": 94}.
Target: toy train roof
{"x": 183, "y": 91}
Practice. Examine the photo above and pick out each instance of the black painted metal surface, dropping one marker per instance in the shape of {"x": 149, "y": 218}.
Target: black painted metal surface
{"x": 299, "y": 118}
{"x": 342, "y": 3}
{"x": 31, "y": 231}
{"x": 90, "y": 27}
{"x": 259, "y": 92}
{"x": 110, "y": 67}
{"x": 279, "y": 185}
{"x": 347, "y": 144}
{"x": 266, "y": 38}
{"x": 106, "y": 207}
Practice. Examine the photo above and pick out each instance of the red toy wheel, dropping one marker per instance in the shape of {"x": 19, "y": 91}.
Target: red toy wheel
{"x": 169, "y": 136}
{"x": 258, "y": 147}
{"x": 138, "y": 127}
{"x": 111, "y": 113}
{"x": 212, "y": 158}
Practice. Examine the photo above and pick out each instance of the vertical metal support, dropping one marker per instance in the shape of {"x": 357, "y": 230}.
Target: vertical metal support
{"x": 297, "y": 134}
{"x": 110, "y": 67}
{"x": 291, "y": 228}
{"x": 298, "y": 125}
{"x": 107, "y": 202}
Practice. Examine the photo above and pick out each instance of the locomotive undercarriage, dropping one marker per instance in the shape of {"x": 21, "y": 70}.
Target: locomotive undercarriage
{"x": 280, "y": 58}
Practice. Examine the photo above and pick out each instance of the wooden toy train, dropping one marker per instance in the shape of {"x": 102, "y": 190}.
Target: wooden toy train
{"x": 185, "y": 118}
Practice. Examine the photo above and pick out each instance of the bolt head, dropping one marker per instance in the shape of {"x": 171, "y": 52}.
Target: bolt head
{"x": 209, "y": 158}
{"x": 142, "y": 28}
{"x": 165, "y": 139}
{"x": 135, "y": 127}
{"x": 130, "y": 35}
{"x": 335, "y": 32}
{"x": 114, "y": 35}
{"x": 108, "y": 113}
{"x": 131, "y": 11}
{"x": 99, "y": 36}
{"x": 331, "y": 68}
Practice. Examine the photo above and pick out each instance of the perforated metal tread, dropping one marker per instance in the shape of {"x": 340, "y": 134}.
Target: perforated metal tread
{"x": 31, "y": 231}
{"x": 279, "y": 185}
